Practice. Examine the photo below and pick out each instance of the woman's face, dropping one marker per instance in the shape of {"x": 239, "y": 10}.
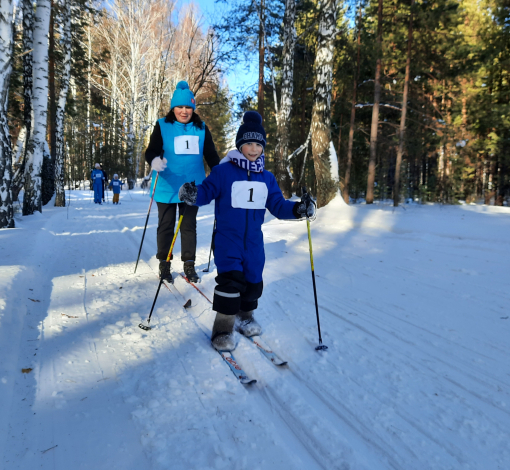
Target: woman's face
{"x": 183, "y": 114}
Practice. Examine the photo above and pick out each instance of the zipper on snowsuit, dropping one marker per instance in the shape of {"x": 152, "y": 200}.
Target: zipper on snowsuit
{"x": 246, "y": 228}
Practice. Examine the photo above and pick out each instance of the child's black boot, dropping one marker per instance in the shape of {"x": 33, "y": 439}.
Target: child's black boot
{"x": 189, "y": 271}
{"x": 164, "y": 272}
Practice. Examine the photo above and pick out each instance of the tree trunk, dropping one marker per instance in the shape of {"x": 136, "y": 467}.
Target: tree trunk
{"x": 6, "y": 51}
{"x": 32, "y": 200}
{"x": 28, "y": 31}
{"x": 48, "y": 174}
{"x": 327, "y": 182}
{"x": 261, "y": 61}
{"x": 283, "y": 118}
{"x": 375, "y": 111}
{"x": 396, "y": 187}
{"x": 60, "y": 198}
{"x": 347, "y": 178}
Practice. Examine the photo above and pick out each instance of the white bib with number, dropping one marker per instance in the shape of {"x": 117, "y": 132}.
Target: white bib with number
{"x": 186, "y": 144}
{"x": 249, "y": 195}
{"x": 99, "y": 175}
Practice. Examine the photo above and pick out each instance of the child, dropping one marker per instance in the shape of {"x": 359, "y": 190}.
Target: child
{"x": 116, "y": 185}
{"x": 97, "y": 182}
{"x": 242, "y": 190}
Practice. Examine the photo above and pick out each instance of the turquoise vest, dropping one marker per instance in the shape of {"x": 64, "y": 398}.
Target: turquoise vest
{"x": 185, "y": 159}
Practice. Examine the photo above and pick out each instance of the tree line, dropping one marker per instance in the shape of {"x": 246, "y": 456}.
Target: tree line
{"x": 380, "y": 99}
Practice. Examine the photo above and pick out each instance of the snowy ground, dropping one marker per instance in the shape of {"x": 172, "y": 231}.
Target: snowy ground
{"x": 414, "y": 307}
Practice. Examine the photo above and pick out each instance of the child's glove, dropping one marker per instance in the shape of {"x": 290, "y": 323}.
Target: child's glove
{"x": 306, "y": 207}
{"x": 188, "y": 193}
{"x": 159, "y": 164}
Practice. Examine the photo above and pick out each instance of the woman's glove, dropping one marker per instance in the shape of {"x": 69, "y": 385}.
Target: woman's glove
{"x": 306, "y": 206}
{"x": 188, "y": 193}
{"x": 159, "y": 164}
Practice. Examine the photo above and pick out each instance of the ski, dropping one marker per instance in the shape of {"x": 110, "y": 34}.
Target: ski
{"x": 192, "y": 284}
{"x": 266, "y": 352}
{"x": 236, "y": 368}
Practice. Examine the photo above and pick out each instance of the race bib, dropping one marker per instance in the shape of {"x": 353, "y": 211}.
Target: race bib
{"x": 249, "y": 195}
{"x": 115, "y": 183}
{"x": 99, "y": 175}
{"x": 186, "y": 144}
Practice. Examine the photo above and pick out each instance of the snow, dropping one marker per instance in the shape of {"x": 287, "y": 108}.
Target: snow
{"x": 413, "y": 306}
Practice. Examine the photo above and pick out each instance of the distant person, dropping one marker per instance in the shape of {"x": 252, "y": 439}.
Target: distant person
{"x": 97, "y": 177}
{"x": 116, "y": 186}
{"x": 186, "y": 140}
{"x": 105, "y": 181}
{"x": 243, "y": 190}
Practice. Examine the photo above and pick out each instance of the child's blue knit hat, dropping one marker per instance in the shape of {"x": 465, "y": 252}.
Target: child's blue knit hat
{"x": 251, "y": 130}
{"x": 183, "y": 96}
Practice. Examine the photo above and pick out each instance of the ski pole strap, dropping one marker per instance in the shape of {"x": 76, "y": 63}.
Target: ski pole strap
{"x": 310, "y": 242}
{"x": 175, "y": 238}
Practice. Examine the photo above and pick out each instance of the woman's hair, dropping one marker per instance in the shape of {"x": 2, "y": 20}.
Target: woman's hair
{"x": 195, "y": 119}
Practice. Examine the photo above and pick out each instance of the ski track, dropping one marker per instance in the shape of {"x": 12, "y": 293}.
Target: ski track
{"x": 402, "y": 386}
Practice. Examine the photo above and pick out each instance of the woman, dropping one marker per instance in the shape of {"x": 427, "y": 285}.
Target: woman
{"x": 184, "y": 139}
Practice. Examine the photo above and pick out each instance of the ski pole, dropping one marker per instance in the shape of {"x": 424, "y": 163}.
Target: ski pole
{"x": 210, "y": 251}
{"x": 148, "y": 212}
{"x": 321, "y": 346}
{"x": 147, "y": 327}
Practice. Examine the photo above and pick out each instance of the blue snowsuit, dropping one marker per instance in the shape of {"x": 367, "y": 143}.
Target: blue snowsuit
{"x": 97, "y": 180}
{"x": 116, "y": 185}
{"x": 238, "y": 241}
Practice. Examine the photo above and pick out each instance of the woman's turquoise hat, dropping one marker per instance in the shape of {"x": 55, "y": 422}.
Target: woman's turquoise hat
{"x": 183, "y": 96}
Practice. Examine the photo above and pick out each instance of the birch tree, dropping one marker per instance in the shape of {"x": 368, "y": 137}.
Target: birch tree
{"x": 327, "y": 180}
{"x": 24, "y": 135}
{"x": 287, "y": 89}
{"x": 375, "y": 110}
{"x": 60, "y": 198}
{"x": 6, "y": 50}
{"x": 32, "y": 199}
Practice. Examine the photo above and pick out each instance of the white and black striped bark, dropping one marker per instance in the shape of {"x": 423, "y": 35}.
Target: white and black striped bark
{"x": 327, "y": 182}
{"x": 283, "y": 117}
{"x": 28, "y": 32}
{"x": 6, "y": 50}
{"x": 60, "y": 197}
{"x": 35, "y": 150}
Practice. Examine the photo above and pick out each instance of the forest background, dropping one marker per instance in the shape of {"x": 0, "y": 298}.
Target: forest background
{"x": 383, "y": 99}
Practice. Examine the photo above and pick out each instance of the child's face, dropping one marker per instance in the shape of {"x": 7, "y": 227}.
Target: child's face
{"x": 252, "y": 151}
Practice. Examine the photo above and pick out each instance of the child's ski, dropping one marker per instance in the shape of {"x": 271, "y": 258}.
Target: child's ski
{"x": 236, "y": 368}
{"x": 266, "y": 352}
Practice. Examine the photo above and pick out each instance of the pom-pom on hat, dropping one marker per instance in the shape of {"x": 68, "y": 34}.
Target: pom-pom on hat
{"x": 251, "y": 130}
{"x": 183, "y": 96}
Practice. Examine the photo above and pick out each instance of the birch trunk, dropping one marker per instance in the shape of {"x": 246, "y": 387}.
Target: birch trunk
{"x": 60, "y": 198}
{"x": 28, "y": 30}
{"x": 6, "y": 50}
{"x": 375, "y": 111}
{"x": 32, "y": 200}
{"x": 283, "y": 116}
{"x": 400, "y": 151}
{"x": 347, "y": 178}
{"x": 327, "y": 182}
